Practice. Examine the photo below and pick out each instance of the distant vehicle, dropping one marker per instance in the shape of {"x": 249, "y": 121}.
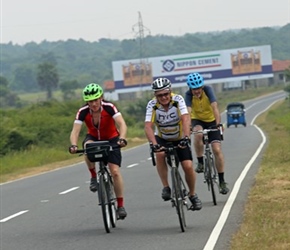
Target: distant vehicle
{"x": 236, "y": 114}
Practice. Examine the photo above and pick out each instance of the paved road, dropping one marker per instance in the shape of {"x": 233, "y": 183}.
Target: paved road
{"x": 56, "y": 210}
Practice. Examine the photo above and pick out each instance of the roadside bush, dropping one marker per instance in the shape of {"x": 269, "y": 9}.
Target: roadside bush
{"x": 14, "y": 140}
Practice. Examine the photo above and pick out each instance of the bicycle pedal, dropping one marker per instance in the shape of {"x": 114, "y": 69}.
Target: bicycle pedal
{"x": 185, "y": 193}
{"x": 172, "y": 203}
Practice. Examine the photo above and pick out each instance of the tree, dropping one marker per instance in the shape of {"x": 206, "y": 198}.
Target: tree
{"x": 7, "y": 98}
{"x": 24, "y": 79}
{"x": 68, "y": 89}
{"x": 3, "y": 86}
{"x": 47, "y": 78}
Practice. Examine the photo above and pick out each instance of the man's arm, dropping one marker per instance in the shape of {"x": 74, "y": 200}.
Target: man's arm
{"x": 149, "y": 131}
{"x": 121, "y": 124}
{"x": 189, "y": 109}
{"x": 216, "y": 112}
{"x": 186, "y": 123}
{"x": 74, "y": 135}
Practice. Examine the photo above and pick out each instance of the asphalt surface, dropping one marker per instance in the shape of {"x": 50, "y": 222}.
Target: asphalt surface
{"x": 56, "y": 210}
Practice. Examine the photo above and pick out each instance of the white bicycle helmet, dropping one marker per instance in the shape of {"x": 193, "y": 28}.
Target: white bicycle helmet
{"x": 160, "y": 84}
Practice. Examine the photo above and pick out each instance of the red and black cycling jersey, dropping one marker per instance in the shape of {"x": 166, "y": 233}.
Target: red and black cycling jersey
{"x": 106, "y": 128}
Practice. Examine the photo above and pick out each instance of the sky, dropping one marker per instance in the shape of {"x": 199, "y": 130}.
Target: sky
{"x": 24, "y": 21}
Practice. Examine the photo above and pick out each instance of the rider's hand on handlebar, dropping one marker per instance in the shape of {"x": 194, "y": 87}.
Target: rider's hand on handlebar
{"x": 184, "y": 142}
{"x": 156, "y": 147}
{"x": 220, "y": 127}
{"x": 73, "y": 149}
{"x": 122, "y": 142}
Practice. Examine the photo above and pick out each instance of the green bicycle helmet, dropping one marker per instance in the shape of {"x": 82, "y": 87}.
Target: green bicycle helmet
{"x": 92, "y": 91}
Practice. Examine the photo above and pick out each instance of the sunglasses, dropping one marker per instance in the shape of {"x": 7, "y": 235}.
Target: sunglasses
{"x": 163, "y": 95}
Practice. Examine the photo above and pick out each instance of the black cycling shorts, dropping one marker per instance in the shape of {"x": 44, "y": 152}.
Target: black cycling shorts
{"x": 115, "y": 156}
{"x": 182, "y": 153}
{"x": 212, "y": 136}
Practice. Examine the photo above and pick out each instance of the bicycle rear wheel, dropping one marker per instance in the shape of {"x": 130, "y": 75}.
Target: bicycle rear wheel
{"x": 104, "y": 203}
{"x": 178, "y": 197}
{"x": 112, "y": 201}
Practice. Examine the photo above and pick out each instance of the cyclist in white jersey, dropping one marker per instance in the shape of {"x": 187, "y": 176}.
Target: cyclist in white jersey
{"x": 168, "y": 113}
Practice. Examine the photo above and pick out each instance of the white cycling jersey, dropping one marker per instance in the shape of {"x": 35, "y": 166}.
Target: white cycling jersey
{"x": 168, "y": 123}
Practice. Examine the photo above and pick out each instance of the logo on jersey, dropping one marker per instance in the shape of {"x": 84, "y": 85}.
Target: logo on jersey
{"x": 166, "y": 117}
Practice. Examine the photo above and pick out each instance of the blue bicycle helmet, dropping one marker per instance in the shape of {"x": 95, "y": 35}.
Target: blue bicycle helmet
{"x": 194, "y": 81}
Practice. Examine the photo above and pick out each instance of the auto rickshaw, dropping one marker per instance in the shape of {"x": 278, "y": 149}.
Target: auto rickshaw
{"x": 236, "y": 114}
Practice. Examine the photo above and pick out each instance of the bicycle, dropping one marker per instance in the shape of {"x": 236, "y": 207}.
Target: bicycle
{"x": 98, "y": 152}
{"x": 179, "y": 192}
{"x": 210, "y": 171}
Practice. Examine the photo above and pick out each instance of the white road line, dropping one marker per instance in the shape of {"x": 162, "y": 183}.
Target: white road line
{"x": 133, "y": 165}
{"x": 69, "y": 190}
{"x": 227, "y": 208}
{"x": 13, "y": 216}
{"x": 252, "y": 122}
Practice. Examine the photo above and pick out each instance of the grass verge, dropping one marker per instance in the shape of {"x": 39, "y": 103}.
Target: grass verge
{"x": 266, "y": 223}
{"x": 39, "y": 160}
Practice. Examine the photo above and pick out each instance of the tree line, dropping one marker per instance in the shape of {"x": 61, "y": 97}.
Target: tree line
{"x": 71, "y": 64}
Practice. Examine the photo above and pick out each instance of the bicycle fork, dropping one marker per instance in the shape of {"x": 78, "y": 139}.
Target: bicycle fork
{"x": 173, "y": 161}
{"x": 183, "y": 196}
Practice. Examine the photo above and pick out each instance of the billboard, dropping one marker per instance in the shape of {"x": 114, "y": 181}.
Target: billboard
{"x": 215, "y": 66}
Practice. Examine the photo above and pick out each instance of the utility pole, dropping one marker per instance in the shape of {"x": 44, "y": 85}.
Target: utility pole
{"x": 139, "y": 29}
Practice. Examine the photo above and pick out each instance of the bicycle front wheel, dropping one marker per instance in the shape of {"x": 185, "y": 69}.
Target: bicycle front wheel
{"x": 178, "y": 197}
{"x": 112, "y": 201}
{"x": 104, "y": 203}
{"x": 211, "y": 178}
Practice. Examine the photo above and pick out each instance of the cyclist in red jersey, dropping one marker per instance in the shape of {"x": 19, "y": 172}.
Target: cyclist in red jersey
{"x": 104, "y": 122}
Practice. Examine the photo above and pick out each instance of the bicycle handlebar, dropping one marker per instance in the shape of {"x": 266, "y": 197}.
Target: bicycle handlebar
{"x": 162, "y": 149}
{"x": 206, "y": 131}
{"x": 112, "y": 148}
